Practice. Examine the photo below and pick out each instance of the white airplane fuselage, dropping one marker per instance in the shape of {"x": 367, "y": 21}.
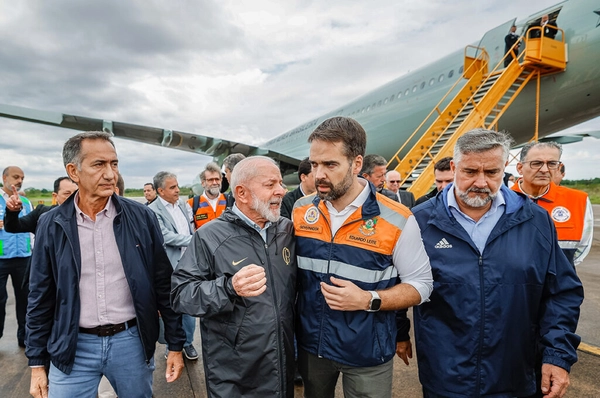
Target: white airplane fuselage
{"x": 566, "y": 99}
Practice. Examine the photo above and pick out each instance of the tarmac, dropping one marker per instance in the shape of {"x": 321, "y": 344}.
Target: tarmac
{"x": 585, "y": 381}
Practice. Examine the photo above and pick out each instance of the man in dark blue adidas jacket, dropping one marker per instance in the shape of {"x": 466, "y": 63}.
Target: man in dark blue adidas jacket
{"x": 504, "y": 297}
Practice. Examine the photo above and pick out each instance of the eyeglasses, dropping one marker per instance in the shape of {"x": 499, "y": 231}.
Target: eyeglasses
{"x": 394, "y": 181}
{"x": 538, "y": 164}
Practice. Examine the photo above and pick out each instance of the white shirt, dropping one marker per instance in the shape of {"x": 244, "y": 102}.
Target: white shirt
{"x": 182, "y": 225}
{"x": 213, "y": 202}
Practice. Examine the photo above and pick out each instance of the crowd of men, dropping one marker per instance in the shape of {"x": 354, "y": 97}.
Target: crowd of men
{"x": 318, "y": 279}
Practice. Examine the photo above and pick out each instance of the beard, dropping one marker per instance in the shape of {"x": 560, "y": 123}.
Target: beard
{"x": 264, "y": 208}
{"x": 477, "y": 201}
{"x": 213, "y": 191}
{"x": 335, "y": 191}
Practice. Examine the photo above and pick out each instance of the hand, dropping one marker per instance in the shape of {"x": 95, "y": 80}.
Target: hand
{"x": 345, "y": 295}
{"x": 14, "y": 201}
{"x": 250, "y": 281}
{"x": 404, "y": 350}
{"x": 555, "y": 381}
{"x": 174, "y": 366}
{"x": 1, "y": 224}
{"x": 38, "y": 388}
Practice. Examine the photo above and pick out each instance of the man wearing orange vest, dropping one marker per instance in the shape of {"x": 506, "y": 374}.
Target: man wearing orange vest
{"x": 570, "y": 209}
{"x": 211, "y": 204}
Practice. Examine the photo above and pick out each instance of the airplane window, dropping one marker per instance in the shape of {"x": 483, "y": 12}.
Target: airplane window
{"x": 422, "y": 85}
{"x": 407, "y": 91}
{"x": 441, "y": 77}
{"x": 432, "y": 81}
{"x": 368, "y": 107}
{"x": 451, "y": 73}
{"x": 461, "y": 69}
{"x": 363, "y": 110}
{"x": 385, "y": 101}
{"x": 400, "y": 94}
{"x": 414, "y": 89}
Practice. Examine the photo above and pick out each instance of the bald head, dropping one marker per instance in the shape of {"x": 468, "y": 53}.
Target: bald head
{"x": 392, "y": 181}
{"x": 12, "y": 175}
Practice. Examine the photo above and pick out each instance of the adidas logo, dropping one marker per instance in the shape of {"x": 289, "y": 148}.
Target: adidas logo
{"x": 443, "y": 244}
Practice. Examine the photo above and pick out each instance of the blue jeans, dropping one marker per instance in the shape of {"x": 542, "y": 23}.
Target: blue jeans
{"x": 120, "y": 358}
{"x": 189, "y": 326}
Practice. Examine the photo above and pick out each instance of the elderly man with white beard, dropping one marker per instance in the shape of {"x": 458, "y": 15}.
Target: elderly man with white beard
{"x": 239, "y": 276}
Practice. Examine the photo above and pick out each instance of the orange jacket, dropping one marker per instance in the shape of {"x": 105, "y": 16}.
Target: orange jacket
{"x": 567, "y": 209}
{"x": 204, "y": 211}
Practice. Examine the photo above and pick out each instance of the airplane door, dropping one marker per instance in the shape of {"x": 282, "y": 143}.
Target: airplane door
{"x": 493, "y": 42}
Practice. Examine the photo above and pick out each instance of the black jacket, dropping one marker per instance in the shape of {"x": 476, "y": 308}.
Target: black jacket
{"x": 54, "y": 305}
{"x": 287, "y": 204}
{"x": 427, "y": 196}
{"x": 247, "y": 342}
{"x": 28, "y": 223}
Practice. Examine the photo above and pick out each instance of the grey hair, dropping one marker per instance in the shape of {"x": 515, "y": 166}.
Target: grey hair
{"x": 246, "y": 170}
{"x": 160, "y": 178}
{"x": 232, "y": 160}
{"x": 72, "y": 148}
{"x": 370, "y": 162}
{"x": 527, "y": 147}
{"x": 212, "y": 167}
{"x": 482, "y": 140}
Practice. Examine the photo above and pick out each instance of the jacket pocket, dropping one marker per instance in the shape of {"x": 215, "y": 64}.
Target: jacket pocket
{"x": 234, "y": 325}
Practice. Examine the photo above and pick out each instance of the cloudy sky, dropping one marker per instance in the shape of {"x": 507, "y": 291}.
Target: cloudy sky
{"x": 246, "y": 71}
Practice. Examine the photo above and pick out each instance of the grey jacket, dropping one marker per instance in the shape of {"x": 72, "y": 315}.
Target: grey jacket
{"x": 174, "y": 241}
{"x": 247, "y": 342}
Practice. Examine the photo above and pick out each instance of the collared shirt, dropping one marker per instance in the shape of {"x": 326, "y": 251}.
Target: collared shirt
{"x": 261, "y": 231}
{"x": 181, "y": 221}
{"x": 479, "y": 231}
{"x": 103, "y": 289}
{"x": 409, "y": 257}
{"x": 213, "y": 202}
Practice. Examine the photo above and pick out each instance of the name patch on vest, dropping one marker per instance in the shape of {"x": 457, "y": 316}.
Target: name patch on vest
{"x": 560, "y": 214}
{"x": 310, "y": 228}
{"x": 365, "y": 240}
{"x": 201, "y": 217}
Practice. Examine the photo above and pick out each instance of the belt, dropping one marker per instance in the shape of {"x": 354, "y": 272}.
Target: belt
{"x": 109, "y": 330}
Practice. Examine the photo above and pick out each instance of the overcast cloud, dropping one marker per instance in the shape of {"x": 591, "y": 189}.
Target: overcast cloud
{"x": 246, "y": 71}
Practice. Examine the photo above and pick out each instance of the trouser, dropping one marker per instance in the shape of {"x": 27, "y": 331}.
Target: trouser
{"x": 17, "y": 269}
{"x": 189, "y": 327}
{"x": 120, "y": 358}
{"x": 320, "y": 376}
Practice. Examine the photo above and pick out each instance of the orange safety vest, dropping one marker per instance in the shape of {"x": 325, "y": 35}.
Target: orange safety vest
{"x": 567, "y": 209}
{"x": 203, "y": 211}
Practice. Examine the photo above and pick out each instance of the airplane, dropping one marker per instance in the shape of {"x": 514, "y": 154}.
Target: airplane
{"x": 390, "y": 113}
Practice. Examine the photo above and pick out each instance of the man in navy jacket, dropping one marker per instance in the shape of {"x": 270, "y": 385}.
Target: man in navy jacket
{"x": 505, "y": 296}
{"x": 99, "y": 276}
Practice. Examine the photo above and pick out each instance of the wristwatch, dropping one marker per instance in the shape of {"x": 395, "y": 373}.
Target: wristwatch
{"x": 375, "y": 303}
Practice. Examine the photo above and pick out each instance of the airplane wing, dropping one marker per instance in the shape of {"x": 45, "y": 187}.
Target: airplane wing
{"x": 570, "y": 138}
{"x": 210, "y": 146}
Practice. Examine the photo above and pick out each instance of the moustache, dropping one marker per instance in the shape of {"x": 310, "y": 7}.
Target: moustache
{"x": 320, "y": 181}
{"x": 479, "y": 190}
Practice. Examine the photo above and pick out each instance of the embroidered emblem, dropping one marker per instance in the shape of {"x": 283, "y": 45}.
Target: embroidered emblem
{"x": 312, "y": 215}
{"x": 287, "y": 256}
{"x": 368, "y": 227}
{"x": 560, "y": 214}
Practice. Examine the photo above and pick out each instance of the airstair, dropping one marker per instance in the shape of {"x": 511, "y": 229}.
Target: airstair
{"x": 480, "y": 102}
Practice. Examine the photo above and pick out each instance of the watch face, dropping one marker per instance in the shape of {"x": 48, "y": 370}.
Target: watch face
{"x": 375, "y": 304}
